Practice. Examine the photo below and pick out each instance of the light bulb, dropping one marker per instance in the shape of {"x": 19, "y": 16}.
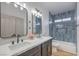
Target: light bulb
{"x": 15, "y": 5}
{"x": 40, "y": 14}
{"x": 24, "y": 5}
{"x": 21, "y": 8}
{"x": 34, "y": 12}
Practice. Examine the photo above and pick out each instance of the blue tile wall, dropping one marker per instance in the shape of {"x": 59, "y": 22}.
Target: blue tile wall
{"x": 68, "y": 30}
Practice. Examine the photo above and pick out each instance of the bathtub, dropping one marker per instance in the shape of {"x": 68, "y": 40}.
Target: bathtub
{"x": 65, "y": 46}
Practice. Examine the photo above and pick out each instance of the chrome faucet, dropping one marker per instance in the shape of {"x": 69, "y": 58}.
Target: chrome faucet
{"x": 17, "y": 36}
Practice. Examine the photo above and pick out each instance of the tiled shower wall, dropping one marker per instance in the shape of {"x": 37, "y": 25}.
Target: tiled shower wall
{"x": 68, "y": 30}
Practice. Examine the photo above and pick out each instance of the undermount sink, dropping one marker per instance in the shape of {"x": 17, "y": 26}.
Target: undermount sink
{"x": 19, "y": 45}
{"x": 24, "y": 43}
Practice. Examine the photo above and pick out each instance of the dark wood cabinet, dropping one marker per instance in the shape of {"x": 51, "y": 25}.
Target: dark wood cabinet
{"x": 47, "y": 48}
{"x": 33, "y": 52}
{"x": 44, "y": 49}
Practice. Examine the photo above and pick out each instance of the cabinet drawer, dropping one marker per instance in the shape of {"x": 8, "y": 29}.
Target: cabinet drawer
{"x": 34, "y": 51}
{"x": 38, "y": 53}
{"x": 47, "y": 48}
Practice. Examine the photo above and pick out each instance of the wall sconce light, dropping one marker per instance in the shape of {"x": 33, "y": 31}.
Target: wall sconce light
{"x": 36, "y": 13}
{"x": 16, "y": 4}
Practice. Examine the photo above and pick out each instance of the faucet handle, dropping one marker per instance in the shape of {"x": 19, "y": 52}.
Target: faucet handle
{"x": 21, "y": 40}
{"x": 12, "y": 42}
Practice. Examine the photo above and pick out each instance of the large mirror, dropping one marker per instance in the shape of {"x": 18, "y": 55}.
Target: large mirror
{"x": 36, "y": 22}
{"x": 13, "y": 20}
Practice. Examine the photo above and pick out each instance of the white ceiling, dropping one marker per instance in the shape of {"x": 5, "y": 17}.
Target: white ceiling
{"x": 54, "y": 7}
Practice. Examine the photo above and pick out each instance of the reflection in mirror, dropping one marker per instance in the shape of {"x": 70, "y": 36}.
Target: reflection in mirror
{"x": 36, "y": 22}
{"x": 13, "y": 20}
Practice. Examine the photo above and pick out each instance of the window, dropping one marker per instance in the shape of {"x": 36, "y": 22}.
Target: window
{"x": 63, "y": 20}
{"x": 60, "y": 20}
{"x": 59, "y": 26}
{"x": 67, "y": 19}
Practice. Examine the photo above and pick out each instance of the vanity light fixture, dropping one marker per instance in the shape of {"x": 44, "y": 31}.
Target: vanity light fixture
{"x": 24, "y": 5}
{"x": 16, "y": 5}
{"x": 36, "y": 13}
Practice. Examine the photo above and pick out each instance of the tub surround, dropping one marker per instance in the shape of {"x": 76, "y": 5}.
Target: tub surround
{"x": 17, "y": 49}
{"x": 65, "y": 46}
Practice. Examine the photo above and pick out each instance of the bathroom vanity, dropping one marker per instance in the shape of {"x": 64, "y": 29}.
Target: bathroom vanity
{"x": 44, "y": 49}
{"x": 37, "y": 47}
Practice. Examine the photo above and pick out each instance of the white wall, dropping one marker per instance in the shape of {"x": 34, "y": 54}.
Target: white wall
{"x": 45, "y": 18}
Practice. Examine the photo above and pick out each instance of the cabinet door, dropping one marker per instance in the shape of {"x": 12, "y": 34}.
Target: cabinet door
{"x": 36, "y": 51}
{"x": 45, "y": 49}
{"x": 50, "y": 47}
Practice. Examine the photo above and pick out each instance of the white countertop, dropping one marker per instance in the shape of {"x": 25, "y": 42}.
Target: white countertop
{"x": 9, "y": 49}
